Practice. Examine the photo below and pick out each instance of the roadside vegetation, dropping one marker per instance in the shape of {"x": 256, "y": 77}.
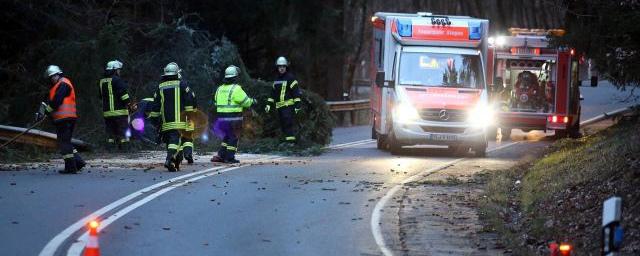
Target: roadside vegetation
{"x": 559, "y": 197}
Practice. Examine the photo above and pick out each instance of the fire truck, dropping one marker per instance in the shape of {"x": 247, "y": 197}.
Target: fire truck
{"x": 429, "y": 82}
{"x": 533, "y": 84}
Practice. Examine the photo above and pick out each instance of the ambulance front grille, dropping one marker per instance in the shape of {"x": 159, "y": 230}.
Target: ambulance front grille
{"x": 442, "y": 115}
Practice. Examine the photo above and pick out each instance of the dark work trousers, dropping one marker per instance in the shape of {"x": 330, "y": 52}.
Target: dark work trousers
{"x": 228, "y": 132}
{"x": 172, "y": 139}
{"x": 64, "y": 133}
{"x": 287, "y": 115}
{"x": 117, "y": 127}
{"x": 187, "y": 143}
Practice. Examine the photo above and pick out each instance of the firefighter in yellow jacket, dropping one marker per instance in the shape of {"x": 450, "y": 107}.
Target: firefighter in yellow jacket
{"x": 230, "y": 100}
{"x": 171, "y": 100}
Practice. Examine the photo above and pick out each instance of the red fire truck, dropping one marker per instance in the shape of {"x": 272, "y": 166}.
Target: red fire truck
{"x": 428, "y": 81}
{"x": 534, "y": 85}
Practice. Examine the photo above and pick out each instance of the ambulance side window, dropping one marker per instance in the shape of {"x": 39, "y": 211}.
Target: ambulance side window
{"x": 379, "y": 53}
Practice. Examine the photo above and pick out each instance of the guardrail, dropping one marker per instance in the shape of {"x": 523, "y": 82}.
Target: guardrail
{"x": 350, "y": 106}
{"x": 37, "y": 137}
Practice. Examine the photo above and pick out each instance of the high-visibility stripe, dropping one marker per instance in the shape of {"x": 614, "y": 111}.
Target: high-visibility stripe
{"x": 173, "y": 146}
{"x": 289, "y": 138}
{"x": 169, "y": 84}
{"x": 121, "y": 112}
{"x": 187, "y": 144}
{"x": 270, "y": 100}
{"x": 230, "y": 118}
{"x": 162, "y": 106}
{"x": 224, "y": 144}
{"x": 284, "y": 103}
{"x": 174, "y": 126}
{"x": 189, "y": 108}
{"x": 154, "y": 114}
{"x": 232, "y": 148}
{"x": 176, "y": 104}
{"x": 67, "y": 156}
{"x": 283, "y": 91}
{"x": 124, "y": 97}
{"x": 49, "y": 109}
{"x": 111, "y": 140}
{"x": 296, "y": 100}
{"x": 295, "y": 82}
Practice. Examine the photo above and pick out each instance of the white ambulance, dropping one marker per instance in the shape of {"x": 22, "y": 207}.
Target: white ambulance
{"x": 428, "y": 82}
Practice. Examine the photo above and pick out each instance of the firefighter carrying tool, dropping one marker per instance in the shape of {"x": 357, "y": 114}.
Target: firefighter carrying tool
{"x": 172, "y": 98}
{"x": 61, "y": 106}
{"x": 229, "y": 100}
{"x": 285, "y": 95}
{"x": 115, "y": 102}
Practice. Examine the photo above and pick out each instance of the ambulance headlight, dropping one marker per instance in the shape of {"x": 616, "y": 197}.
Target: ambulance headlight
{"x": 481, "y": 116}
{"x": 405, "y": 113}
{"x": 500, "y": 41}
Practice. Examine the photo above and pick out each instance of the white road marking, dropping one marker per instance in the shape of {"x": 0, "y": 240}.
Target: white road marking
{"x": 53, "y": 245}
{"x": 350, "y": 144}
{"x": 77, "y": 247}
{"x": 377, "y": 210}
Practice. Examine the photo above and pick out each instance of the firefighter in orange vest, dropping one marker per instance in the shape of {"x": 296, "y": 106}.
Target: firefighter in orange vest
{"x": 61, "y": 107}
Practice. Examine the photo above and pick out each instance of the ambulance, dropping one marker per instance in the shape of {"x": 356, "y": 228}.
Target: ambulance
{"x": 534, "y": 84}
{"x": 429, "y": 82}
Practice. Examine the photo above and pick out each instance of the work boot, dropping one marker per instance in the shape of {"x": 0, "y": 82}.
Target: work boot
{"x": 189, "y": 158}
{"x": 169, "y": 165}
{"x": 79, "y": 162}
{"x": 178, "y": 160}
{"x": 217, "y": 159}
{"x": 69, "y": 167}
{"x": 231, "y": 161}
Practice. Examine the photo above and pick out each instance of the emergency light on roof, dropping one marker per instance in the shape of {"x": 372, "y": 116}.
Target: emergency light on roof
{"x": 405, "y": 28}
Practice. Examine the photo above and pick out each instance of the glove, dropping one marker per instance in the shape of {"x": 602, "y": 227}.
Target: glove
{"x": 267, "y": 108}
{"x": 41, "y": 112}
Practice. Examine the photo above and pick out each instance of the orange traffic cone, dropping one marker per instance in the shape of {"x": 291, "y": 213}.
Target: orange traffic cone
{"x": 92, "y": 248}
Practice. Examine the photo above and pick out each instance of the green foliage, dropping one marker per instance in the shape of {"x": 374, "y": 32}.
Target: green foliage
{"x": 607, "y": 32}
{"x": 82, "y": 47}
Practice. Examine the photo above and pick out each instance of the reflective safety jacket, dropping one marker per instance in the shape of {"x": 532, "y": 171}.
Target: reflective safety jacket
{"x": 230, "y": 100}
{"x": 172, "y": 101}
{"x": 115, "y": 96}
{"x": 62, "y": 100}
{"x": 285, "y": 91}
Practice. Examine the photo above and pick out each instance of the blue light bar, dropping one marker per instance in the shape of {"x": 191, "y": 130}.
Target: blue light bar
{"x": 475, "y": 30}
{"x": 404, "y": 27}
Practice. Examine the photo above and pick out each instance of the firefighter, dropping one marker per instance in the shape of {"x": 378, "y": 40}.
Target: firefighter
{"x": 171, "y": 100}
{"x": 115, "y": 105}
{"x": 229, "y": 100}
{"x": 285, "y": 96}
{"x": 61, "y": 107}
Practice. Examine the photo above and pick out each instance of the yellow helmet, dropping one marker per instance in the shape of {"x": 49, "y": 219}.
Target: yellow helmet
{"x": 231, "y": 71}
{"x": 282, "y": 61}
{"x": 113, "y": 65}
{"x": 171, "y": 69}
{"x": 53, "y": 70}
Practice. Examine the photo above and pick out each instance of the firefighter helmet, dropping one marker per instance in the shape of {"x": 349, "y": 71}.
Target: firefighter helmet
{"x": 231, "y": 71}
{"x": 53, "y": 70}
{"x": 171, "y": 69}
{"x": 113, "y": 65}
{"x": 282, "y": 61}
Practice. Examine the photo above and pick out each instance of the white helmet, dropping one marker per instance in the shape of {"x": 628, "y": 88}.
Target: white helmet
{"x": 282, "y": 61}
{"x": 53, "y": 70}
{"x": 171, "y": 69}
{"x": 231, "y": 71}
{"x": 113, "y": 65}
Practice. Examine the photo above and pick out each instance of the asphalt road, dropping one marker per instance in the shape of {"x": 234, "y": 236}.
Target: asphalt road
{"x": 268, "y": 206}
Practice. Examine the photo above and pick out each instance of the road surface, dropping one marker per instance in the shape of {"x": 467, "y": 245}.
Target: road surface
{"x": 333, "y": 204}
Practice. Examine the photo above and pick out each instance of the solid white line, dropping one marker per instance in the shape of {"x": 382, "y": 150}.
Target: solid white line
{"x": 377, "y": 210}
{"x": 53, "y": 245}
{"x": 348, "y": 144}
{"x": 77, "y": 247}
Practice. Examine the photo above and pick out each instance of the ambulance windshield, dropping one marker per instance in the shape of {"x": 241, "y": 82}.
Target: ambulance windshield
{"x": 441, "y": 70}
